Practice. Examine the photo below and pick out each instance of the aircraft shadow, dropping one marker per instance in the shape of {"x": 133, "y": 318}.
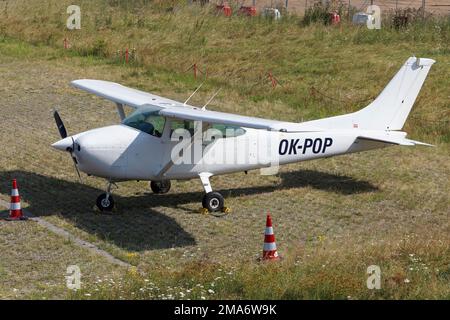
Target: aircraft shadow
{"x": 140, "y": 227}
{"x": 136, "y": 230}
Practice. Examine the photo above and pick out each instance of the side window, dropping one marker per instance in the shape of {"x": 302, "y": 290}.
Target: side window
{"x": 147, "y": 121}
{"x": 226, "y": 131}
{"x": 180, "y": 124}
{"x": 157, "y": 122}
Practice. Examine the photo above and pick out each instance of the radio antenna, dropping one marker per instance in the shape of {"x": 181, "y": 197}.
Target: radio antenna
{"x": 211, "y": 99}
{"x": 184, "y": 104}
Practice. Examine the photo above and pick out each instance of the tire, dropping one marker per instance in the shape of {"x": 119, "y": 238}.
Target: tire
{"x": 104, "y": 204}
{"x": 160, "y": 187}
{"x": 213, "y": 201}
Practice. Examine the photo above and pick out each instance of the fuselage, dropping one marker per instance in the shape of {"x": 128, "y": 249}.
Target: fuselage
{"x": 120, "y": 152}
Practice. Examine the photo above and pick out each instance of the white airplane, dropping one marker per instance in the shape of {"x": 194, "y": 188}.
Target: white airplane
{"x": 143, "y": 147}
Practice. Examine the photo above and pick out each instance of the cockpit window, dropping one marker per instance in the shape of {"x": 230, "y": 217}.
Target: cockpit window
{"x": 147, "y": 120}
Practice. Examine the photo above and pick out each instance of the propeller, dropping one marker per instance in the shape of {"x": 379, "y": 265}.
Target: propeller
{"x": 63, "y": 133}
{"x": 61, "y": 128}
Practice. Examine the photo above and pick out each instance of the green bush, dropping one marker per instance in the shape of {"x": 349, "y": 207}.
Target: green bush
{"x": 320, "y": 13}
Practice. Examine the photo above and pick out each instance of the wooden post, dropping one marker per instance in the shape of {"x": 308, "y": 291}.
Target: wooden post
{"x": 423, "y": 9}
{"x": 126, "y": 55}
{"x": 348, "y": 11}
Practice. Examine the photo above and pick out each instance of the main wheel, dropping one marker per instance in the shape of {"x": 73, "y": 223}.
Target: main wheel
{"x": 213, "y": 201}
{"x": 105, "y": 203}
{"x": 160, "y": 186}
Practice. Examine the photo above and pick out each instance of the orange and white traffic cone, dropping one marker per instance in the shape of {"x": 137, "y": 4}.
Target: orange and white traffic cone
{"x": 270, "y": 247}
{"x": 15, "y": 210}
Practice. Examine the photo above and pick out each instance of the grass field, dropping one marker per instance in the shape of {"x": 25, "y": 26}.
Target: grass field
{"x": 332, "y": 217}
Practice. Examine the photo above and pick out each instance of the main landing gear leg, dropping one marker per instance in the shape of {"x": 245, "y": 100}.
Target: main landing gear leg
{"x": 212, "y": 201}
{"x": 105, "y": 201}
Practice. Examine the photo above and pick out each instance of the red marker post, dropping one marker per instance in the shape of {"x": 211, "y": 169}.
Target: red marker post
{"x": 195, "y": 71}
{"x": 272, "y": 79}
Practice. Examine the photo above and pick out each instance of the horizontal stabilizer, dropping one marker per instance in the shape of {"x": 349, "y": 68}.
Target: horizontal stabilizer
{"x": 397, "y": 138}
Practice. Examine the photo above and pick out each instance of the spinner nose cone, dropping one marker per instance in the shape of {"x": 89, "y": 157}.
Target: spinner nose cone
{"x": 63, "y": 144}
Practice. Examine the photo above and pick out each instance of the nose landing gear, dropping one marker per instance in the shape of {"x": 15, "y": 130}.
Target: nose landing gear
{"x": 105, "y": 201}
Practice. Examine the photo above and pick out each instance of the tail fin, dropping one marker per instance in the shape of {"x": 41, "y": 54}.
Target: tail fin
{"x": 391, "y": 108}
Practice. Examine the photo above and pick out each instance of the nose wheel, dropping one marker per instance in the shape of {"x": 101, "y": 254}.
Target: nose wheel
{"x": 105, "y": 201}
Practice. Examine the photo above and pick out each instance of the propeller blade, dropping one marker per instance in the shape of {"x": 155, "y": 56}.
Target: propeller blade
{"x": 63, "y": 132}
{"x": 75, "y": 164}
{"x": 76, "y": 168}
{"x": 60, "y": 125}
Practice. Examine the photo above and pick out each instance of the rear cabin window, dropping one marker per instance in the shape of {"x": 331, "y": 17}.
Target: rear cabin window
{"x": 226, "y": 131}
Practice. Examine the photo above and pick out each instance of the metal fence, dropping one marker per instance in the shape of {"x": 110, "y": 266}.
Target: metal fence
{"x": 435, "y": 7}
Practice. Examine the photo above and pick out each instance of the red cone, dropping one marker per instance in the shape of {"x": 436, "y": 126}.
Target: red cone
{"x": 270, "y": 247}
{"x": 15, "y": 210}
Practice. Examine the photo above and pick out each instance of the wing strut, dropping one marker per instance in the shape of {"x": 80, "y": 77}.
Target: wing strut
{"x": 120, "y": 111}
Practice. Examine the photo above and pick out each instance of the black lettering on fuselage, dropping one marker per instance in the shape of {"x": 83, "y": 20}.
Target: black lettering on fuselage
{"x": 328, "y": 143}
{"x": 308, "y": 144}
{"x": 317, "y": 145}
{"x": 283, "y": 148}
{"x": 293, "y": 146}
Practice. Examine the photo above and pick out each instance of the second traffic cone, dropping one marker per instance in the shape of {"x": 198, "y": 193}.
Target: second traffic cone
{"x": 15, "y": 210}
{"x": 270, "y": 247}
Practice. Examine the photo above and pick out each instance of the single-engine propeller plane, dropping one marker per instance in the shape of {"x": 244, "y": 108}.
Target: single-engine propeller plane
{"x": 145, "y": 146}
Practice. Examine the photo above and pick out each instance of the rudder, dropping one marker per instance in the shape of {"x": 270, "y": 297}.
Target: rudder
{"x": 391, "y": 108}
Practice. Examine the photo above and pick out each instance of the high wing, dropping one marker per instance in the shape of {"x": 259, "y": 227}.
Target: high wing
{"x": 208, "y": 116}
{"x": 173, "y": 109}
{"x": 120, "y": 94}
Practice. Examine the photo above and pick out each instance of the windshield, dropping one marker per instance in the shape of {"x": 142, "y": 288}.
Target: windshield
{"x": 147, "y": 120}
